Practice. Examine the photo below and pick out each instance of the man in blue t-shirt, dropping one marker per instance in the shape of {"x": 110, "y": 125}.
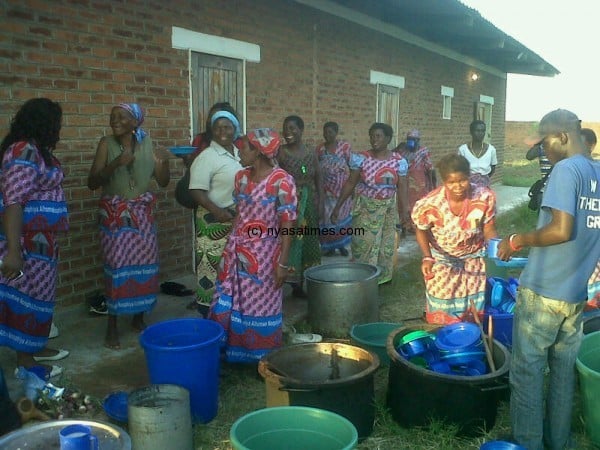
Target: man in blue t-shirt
{"x": 565, "y": 248}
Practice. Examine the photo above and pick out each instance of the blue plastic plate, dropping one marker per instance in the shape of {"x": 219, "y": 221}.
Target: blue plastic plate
{"x": 457, "y": 336}
{"x": 513, "y": 262}
{"x": 115, "y": 406}
{"x": 182, "y": 150}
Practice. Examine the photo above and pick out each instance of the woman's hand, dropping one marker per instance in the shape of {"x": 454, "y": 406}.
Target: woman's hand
{"x": 126, "y": 157}
{"x": 281, "y": 274}
{"x": 223, "y": 215}
{"x": 426, "y": 268}
{"x": 334, "y": 215}
{"x": 161, "y": 154}
{"x": 12, "y": 264}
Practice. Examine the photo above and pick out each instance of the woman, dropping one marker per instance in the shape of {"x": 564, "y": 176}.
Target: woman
{"x": 297, "y": 160}
{"x": 333, "y": 156}
{"x": 421, "y": 176}
{"x": 33, "y": 211}
{"x": 379, "y": 176}
{"x": 123, "y": 167}
{"x": 211, "y": 186}
{"x": 255, "y": 263}
{"x": 481, "y": 156}
{"x": 454, "y": 222}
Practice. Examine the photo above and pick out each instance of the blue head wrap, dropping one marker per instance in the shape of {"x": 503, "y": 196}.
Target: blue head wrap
{"x": 137, "y": 113}
{"x": 227, "y": 115}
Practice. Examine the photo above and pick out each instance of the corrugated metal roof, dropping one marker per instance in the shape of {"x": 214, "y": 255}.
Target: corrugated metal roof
{"x": 453, "y": 25}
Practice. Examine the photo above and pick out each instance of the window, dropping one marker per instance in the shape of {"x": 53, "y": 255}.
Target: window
{"x": 447, "y": 95}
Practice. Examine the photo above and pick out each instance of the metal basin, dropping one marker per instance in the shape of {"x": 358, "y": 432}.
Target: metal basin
{"x": 341, "y": 295}
{"x": 44, "y": 436}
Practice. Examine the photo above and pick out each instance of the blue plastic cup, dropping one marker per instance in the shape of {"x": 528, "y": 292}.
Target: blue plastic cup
{"x": 77, "y": 437}
{"x": 492, "y": 247}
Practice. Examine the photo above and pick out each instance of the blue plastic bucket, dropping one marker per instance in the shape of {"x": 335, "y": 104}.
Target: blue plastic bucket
{"x": 185, "y": 352}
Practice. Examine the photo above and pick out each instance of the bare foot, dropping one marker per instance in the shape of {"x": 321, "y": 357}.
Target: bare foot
{"x": 137, "y": 323}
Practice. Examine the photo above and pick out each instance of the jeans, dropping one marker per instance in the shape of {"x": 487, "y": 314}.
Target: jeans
{"x": 546, "y": 332}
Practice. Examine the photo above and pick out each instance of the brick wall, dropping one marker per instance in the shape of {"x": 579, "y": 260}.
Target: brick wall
{"x": 89, "y": 55}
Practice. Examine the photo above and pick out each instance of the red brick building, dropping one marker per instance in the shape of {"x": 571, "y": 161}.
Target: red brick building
{"x": 430, "y": 64}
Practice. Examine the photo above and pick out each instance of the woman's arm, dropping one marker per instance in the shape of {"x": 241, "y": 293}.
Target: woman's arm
{"x": 402, "y": 199}
{"x": 13, "y": 225}
{"x": 200, "y": 196}
{"x": 162, "y": 174}
{"x": 283, "y": 269}
{"x": 347, "y": 190}
{"x": 423, "y": 238}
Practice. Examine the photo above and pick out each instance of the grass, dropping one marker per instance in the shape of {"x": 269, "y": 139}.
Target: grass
{"x": 517, "y": 170}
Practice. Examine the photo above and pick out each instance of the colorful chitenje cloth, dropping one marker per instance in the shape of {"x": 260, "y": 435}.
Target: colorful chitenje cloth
{"x": 306, "y": 250}
{"x": 458, "y": 248}
{"x": 129, "y": 246}
{"x": 334, "y": 173}
{"x": 27, "y": 304}
{"x": 246, "y": 302}
{"x": 375, "y": 210}
{"x": 593, "y": 303}
{"x": 211, "y": 237}
{"x": 419, "y": 181}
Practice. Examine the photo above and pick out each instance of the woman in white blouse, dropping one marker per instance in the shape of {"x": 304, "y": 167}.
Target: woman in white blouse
{"x": 481, "y": 156}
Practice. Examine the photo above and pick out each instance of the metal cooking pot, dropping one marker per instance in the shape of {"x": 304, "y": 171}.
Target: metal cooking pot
{"x": 331, "y": 376}
{"x": 341, "y": 295}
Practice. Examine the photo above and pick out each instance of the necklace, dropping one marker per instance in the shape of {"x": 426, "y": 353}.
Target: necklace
{"x": 477, "y": 155}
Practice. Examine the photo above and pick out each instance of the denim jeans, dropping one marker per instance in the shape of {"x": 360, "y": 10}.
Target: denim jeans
{"x": 546, "y": 332}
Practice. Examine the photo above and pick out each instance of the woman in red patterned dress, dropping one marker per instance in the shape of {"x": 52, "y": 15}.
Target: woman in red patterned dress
{"x": 255, "y": 263}
{"x": 454, "y": 222}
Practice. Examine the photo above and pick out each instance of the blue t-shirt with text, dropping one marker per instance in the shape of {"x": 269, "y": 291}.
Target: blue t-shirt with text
{"x": 562, "y": 271}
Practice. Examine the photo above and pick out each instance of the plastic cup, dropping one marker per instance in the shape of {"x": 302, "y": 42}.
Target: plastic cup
{"x": 492, "y": 247}
{"x": 77, "y": 437}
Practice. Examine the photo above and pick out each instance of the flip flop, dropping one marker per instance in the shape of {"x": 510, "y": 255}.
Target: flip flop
{"x": 60, "y": 354}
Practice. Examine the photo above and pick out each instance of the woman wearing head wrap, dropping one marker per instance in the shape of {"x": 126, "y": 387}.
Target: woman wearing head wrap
{"x": 255, "y": 263}
{"x": 123, "y": 167}
{"x": 421, "y": 174}
{"x": 211, "y": 186}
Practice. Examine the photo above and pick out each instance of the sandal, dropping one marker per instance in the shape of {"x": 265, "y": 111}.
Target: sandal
{"x": 60, "y": 354}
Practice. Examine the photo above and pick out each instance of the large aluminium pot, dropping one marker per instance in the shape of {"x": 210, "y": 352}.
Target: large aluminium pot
{"x": 416, "y": 395}
{"x": 341, "y": 295}
{"x": 332, "y": 376}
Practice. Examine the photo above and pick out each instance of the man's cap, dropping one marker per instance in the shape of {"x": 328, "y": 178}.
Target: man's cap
{"x": 557, "y": 121}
